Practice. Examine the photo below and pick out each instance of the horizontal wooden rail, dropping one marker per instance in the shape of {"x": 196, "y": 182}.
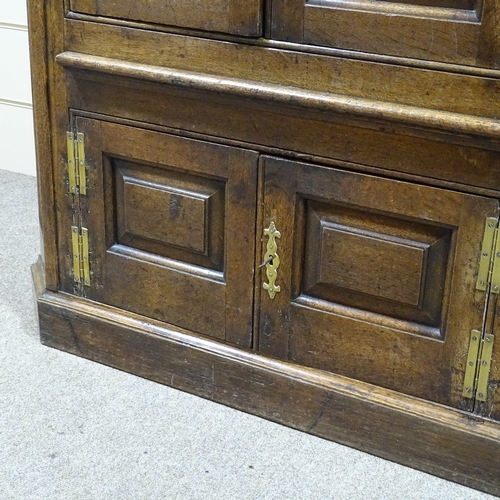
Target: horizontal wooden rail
{"x": 357, "y": 107}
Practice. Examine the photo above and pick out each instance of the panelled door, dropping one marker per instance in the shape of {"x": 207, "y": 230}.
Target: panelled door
{"x": 454, "y": 31}
{"x": 164, "y": 217}
{"x": 238, "y": 17}
{"x": 377, "y": 277}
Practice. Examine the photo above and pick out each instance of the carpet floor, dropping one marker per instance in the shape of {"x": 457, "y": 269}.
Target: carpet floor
{"x": 75, "y": 430}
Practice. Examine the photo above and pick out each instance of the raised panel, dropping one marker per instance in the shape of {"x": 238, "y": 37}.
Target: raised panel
{"x": 239, "y": 17}
{"x": 347, "y": 262}
{"x": 170, "y": 213}
{"x": 451, "y": 31}
{"x": 184, "y": 225}
{"x": 386, "y": 265}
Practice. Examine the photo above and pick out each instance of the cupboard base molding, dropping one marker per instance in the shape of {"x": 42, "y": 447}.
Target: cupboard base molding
{"x": 442, "y": 441}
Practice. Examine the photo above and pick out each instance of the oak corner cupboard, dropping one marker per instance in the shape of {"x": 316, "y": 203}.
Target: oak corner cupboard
{"x": 301, "y": 198}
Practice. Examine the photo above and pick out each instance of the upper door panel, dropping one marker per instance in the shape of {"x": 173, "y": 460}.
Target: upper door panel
{"x": 453, "y": 31}
{"x": 237, "y": 17}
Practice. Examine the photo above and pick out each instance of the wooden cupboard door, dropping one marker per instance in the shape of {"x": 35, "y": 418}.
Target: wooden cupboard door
{"x": 453, "y": 31}
{"x": 237, "y": 17}
{"x": 489, "y": 404}
{"x": 171, "y": 228}
{"x": 377, "y": 278}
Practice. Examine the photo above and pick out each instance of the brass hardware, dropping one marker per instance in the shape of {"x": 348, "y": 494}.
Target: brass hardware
{"x": 470, "y": 370}
{"x": 75, "y": 240}
{"x": 76, "y": 163}
{"x": 495, "y": 270}
{"x": 80, "y": 246}
{"x": 476, "y": 376}
{"x": 82, "y": 177}
{"x": 85, "y": 256}
{"x": 271, "y": 260}
{"x": 71, "y": 162}
{"x": 484, "y": 366}
{"x": 489, "y": 266}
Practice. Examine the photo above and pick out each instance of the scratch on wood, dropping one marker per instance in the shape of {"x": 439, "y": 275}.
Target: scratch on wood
{"x": 324, "y": 405}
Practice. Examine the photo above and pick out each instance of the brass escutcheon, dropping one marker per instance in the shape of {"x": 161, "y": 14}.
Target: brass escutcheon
{"x": 272, "y": 260}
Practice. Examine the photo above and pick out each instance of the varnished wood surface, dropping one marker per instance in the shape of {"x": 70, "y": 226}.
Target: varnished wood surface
{"x": 290, "y": 96}
{"x": 412, "y": 432}
{"x": 449, "y": 33}
{"x": 437, "y": 89}
{"x": 345, "y": 327}
{"x": 238, "y": 17}
{"x": 491, "y": 407}
{"x": 167, "y": 244}
{"x": 289, "y": 130}
{"x": 43, "y": 139}
{"x": 159, "y": 281}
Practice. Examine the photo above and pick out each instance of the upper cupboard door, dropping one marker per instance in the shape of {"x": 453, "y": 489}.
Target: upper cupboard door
{"x": 377, "y": 278}
{"x": 171, "y": 228}
{"x": 237, "y": 17}
{"x": 454, "y": 31}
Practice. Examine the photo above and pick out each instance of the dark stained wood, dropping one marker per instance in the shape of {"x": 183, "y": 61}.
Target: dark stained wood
{"x": 439, "y": 33}
{"x": 289, "y": 96}
{"x": 412, "y": 432}
{"x": 367, "y": 332}
{"x": 181, "y": 216}
{"x": 37, "y": 18}
{"x": 377, "y": 275}
{"x": 449, "y": 35}
{"x": 489, "y": 44}
{"x": 491, "y": 407}
{"x": 339, "y": 261}
{"x": 317, "y": 134}
{"x": 154, "y": 279}
{"x": 239, "y": 17}
{"x": 386, "y": 82}
{"x": 293, "y": 29}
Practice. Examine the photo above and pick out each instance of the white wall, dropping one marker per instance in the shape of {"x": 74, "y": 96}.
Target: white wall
{"x": 17, "y": 148}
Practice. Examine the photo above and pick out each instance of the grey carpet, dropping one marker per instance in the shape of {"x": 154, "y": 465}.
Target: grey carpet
{"x": 72, "y": 429}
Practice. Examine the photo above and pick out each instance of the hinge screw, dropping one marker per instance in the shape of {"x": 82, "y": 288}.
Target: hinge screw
{"x": 468, "y": 389}
{"x": 498, "y": 254}
{"x": 471, "y": 363}
{"x": 481, "y": 394}
{"x": 495, "y": 287}
{"x": 490, "y": 224}
{"x": 484, "y": 363}
{"x": 485, "y": 254}
{"x": 474, "y": 338}
{"x": 481, "y": 283}
{"x": 488, "y": 339}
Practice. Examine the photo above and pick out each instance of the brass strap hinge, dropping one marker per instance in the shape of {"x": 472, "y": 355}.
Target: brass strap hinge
{"x": 489, "y": 264}
{"x": 478, "y": 365}
{"x": 76, "y": 163}
{"x": 80, "y": 245}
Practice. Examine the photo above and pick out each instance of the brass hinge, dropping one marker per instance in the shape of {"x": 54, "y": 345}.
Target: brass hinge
{"x": 80, "y": 245}
{"x": 478, "y": 365}
{"x": 76, "y": 163}
{"x": 489, "y": 264}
